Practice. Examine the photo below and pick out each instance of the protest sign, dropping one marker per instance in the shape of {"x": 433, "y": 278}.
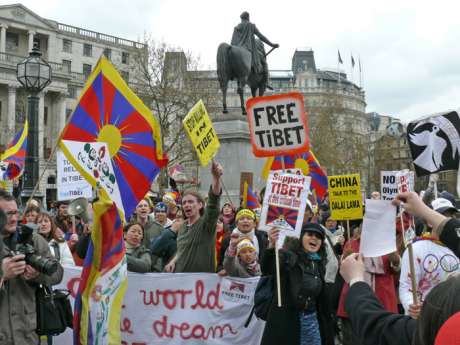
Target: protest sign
{"x": 345, "y": 198}
{"x": 388, "y": 186}
{"x": 284, "y": 203}
{"x": 185, "y": 308}
{"x": 199, "y": 128}
{"x": 278, "y": 125}
{"x": 378, "y": 236}
{"x": 70, "y": 183}
{"x": 405, "y": 181}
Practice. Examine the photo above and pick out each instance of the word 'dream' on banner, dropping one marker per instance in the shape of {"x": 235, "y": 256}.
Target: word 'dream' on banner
{"x": 278, "y": 125}
{"x": 345, "y": 197}
{"x": 284, "y": 203}
{"x": 199, "y": 128}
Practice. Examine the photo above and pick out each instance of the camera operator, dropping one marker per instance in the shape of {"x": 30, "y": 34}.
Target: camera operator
{"x": 20, "y": 280}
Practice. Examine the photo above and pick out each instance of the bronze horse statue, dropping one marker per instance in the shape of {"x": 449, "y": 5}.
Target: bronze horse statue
{"x": 234, "y": 62}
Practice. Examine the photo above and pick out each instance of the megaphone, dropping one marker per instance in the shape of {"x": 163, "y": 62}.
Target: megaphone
{"x": 79, "y": 208}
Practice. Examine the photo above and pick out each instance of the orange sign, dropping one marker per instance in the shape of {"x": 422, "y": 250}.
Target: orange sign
{"x": 278, "y": 125}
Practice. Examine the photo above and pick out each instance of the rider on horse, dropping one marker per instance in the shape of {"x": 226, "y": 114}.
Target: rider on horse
{"x": 243, "y": 36}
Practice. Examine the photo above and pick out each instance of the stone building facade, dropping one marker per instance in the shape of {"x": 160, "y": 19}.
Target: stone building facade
{"x": 72, "y": 53}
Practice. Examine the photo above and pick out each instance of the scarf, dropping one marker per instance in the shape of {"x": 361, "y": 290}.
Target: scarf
{"x": 372, "y": 266}
{"x": 251, "y": 235}
{"x": 253, "y": 268}
{"x": 129, "y": 248}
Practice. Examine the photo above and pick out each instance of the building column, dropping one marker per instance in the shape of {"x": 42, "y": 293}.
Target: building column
{"x": 11, "y": 116}
{"x": 3, "y": 28}
{"x": 41, "y": 125}
{"x": 31, "y": 40}
{"x": 61, "y": 120}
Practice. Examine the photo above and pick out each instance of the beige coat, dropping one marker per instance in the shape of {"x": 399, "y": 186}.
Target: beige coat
{"x": 18, "y": 318}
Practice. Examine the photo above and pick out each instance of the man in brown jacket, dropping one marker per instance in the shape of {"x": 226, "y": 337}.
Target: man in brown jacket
{"x": 18, "y": 281}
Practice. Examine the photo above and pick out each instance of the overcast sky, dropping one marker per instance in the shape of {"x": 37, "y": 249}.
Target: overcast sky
{"x": 409, "y": 50}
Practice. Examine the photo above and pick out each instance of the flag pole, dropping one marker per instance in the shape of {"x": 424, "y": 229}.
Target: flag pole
{"x": 411, "y": 258}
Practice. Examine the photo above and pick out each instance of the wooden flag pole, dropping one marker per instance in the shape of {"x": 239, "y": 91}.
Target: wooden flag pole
{"x": 348, "y": 229}
{"x": 411, "y": 260}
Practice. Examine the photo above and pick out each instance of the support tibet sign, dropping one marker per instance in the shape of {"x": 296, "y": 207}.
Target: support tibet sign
{"x": 199, "y": 128}
{"x": 278, "y": 125}
{"x": 345, "y": 197}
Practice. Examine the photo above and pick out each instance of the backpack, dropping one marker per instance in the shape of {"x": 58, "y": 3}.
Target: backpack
{"x": 262, "y": 299}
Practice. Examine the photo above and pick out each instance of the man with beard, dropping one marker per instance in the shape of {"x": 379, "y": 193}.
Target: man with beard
{"x": 197, "y": 236}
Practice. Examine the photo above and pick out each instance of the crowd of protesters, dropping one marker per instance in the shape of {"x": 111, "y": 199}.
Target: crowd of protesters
{"x": 330, "y": 294}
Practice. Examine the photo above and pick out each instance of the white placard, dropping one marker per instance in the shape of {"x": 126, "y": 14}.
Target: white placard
{"x": 391, "y": 180}
{"x": 378, "y": 236}
{"x": 70, "y": 184}
{"x": 284, "y": 203}
{"x": 181, "y": 308}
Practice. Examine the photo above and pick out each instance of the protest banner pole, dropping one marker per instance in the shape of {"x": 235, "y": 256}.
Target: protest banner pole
{"x": 348, "y": 229}
{"x": 411, "y": 260}
{"x": 278, "y": 280}
{"x": 435, "y": 189}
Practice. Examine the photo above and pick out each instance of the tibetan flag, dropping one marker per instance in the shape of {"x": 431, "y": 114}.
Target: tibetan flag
{"x": 308, "y": 164}
{"x": 109, "y": 113}
{"x": 103, "y": 283}
{"x": 15, "y": 155}
{"x": 250, "y": 199}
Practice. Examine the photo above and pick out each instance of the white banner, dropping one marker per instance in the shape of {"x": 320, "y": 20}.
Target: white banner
{"x": 181, "y": 308}
{"x": 70, "y": 184}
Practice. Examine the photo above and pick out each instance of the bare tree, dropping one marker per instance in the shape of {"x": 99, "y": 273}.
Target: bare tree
{"x": 168, "y": 81}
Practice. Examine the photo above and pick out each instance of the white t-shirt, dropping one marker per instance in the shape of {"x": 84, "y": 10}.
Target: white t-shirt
{"x": 433, "y": 265}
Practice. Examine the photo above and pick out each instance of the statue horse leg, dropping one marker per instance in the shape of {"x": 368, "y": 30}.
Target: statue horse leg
{"x": 224, "y": 97}
{"x": 241, "y": 93}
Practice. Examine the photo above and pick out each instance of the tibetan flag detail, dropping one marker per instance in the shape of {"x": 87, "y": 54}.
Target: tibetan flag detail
{"x": 109, "y": 112}
{"x": 309, "y": 166}
{"x": 103, "y": 280}
{"x": 13, "y": 159}
{"x": 250, "y": 199}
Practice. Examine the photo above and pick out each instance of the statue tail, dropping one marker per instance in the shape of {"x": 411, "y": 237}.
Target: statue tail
{"x": 223, "y": 70}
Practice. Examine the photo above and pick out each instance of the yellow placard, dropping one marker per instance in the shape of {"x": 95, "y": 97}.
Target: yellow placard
{"x": 345, "y": 199}
{"x": 199, "y": 128}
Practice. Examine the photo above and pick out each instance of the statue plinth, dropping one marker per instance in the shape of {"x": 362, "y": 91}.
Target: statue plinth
{"x": 235, "y": 155}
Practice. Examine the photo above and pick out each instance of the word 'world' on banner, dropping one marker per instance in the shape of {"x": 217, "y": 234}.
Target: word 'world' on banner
{"x": 70, "y": 184}
{"x": 278, "y": 125}
{"x": 108, "y": 112}
{"x": 389, "y": 182}
{"x": 284, "y": 203}
{"x": 180, "y": 308}
{"x": 345, "y": 199}
{"x": 199, "y": 128}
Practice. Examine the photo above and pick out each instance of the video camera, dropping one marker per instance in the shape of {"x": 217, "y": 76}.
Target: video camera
{"x": 24, "y": 245}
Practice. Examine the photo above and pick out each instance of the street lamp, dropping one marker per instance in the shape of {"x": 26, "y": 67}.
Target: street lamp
{"x": 34, "y": 74}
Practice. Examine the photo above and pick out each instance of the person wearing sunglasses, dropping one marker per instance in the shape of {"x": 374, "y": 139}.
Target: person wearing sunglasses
{"x": 302, "y": 318}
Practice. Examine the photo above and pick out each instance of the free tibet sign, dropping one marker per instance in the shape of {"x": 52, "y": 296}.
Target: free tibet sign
{"x": 199, "y": 128}
{"x": 278, "y": 125}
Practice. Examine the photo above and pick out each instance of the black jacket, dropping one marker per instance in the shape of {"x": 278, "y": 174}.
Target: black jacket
{"x": 283, "y": 326}
{"x": 372, "y": 324}
{"x": 262, "y": 238}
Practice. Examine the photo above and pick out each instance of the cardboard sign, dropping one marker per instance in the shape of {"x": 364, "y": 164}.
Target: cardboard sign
{"x": 389, "y": 182}
{"x": 284, "y": 203}
{"x": 186, "y": 308}
{"x": 70, "y": 183}
{"x": 405, "y": 181}
{"x": 278, "y": 125}
{"x": 345, "y": 198}
{"x": 199, "y": 128}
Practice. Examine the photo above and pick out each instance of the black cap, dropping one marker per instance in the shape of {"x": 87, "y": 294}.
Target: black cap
{"x": 312, "y": 227}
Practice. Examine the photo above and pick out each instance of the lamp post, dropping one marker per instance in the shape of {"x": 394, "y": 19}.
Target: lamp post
{"x": 34, "y": 74}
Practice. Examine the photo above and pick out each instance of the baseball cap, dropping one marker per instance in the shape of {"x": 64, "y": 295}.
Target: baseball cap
{"x": 312, "y": 227}
{"x": 161, "y": 207}
{"x": 442, "y": 205}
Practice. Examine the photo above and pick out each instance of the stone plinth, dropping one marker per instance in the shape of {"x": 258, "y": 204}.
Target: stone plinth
{"x": 235, "y": 154}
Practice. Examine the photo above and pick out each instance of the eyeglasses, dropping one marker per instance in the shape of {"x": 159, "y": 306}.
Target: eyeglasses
{"x": 314, "y": 234}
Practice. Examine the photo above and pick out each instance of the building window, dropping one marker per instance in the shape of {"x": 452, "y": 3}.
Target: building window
{"x": 51, "y": 179}
{"x": 87, "y": 49}
{"x": 68, "y": 112}
{"x": 125, "y": 75}
{"x": 45, "y": 116}
{"x": 67, "y": 66}
{"x": 12, "y": 41}
{"x": 72, "y": 91}
{"x": 108, "y": 53}
{"x": 66, "y": 45}
{"x": 86, "y": 70}
{"x": 37, "y": 42}
{"x": 124, "y": 58}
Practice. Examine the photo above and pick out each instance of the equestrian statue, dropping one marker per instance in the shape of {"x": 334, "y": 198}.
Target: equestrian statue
{"x": 244, "y": 60}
